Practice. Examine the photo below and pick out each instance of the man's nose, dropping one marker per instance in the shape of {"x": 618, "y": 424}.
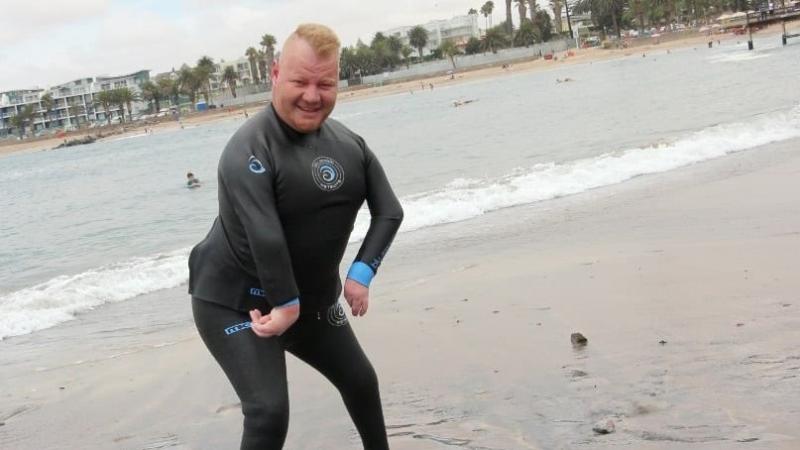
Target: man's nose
{"x": 311, "y": 94}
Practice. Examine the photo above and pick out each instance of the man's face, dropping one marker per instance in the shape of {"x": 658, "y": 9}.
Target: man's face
{"x": 304, "y": 86}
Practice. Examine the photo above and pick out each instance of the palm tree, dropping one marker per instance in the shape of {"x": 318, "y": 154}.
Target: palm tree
{"x": 268, "y": 42}
{"x": 556, "y": 6}
{"x": 205, "y": 68}
{"x": 189, "y": 83}
{"x": 169, "y": 89}
{"x": 22, "y": 118}
{"x": 495, "y": 38}
{"x": 532, "y": 8}
{"x": 603, "y": 10}
{"x": 152, "y": 94}
{"x": 450, "y": 50}
{"x": 262, "y": 67}
{"x": 252, "y": 56}
{"x": 486, "y": 10}
{"x": 406, "y": 51}
{"x": 127, "y": 97}
{"x": 509, "y": 23}
{"x": 418, "y": 37}
{"x": 104, "y": 99}
{"x": 47, "y": 107}
{"x": 395, "y": 46}
{"x": 526, "y": 34}
{"x": 230, "y": 76}
{"x": 522, "y": 10}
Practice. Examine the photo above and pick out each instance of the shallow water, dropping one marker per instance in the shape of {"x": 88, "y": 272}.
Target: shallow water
{"x": 77, "y": 221}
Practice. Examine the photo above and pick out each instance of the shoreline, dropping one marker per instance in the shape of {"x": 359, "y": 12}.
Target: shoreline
{"x": 478, "y": 347}
{"x": 580, "y": 56}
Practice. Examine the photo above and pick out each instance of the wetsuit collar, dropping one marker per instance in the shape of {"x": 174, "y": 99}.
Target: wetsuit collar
{"x": 290, "y": 132}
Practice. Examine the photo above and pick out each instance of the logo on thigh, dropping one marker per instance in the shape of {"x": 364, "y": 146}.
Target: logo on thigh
{"x": 336, "y": 315}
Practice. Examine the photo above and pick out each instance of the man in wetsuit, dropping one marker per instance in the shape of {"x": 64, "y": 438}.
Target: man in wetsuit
{"x": 265, "y": 280}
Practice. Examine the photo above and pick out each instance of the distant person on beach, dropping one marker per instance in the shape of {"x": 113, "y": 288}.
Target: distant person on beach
{"x": 265, "y": 280}
{"x": 192, "y": 181}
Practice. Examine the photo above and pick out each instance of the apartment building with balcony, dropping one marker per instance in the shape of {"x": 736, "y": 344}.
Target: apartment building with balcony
{"x": 73, "y": 103}
{"x": 458, "y": 29}
{"x": 242, "y": 68}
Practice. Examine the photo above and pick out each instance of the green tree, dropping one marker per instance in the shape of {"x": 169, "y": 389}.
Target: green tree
{"x": 204, "y": 69}
{"x": 268, "y": 42}
{"x": 473, "y": 46}
{"x": 230, "y": 76}
{"x": 495, "y": 38}
{"x": 522, "y": 10}
{"x": 105, "y": 99}
{"x": 472, "y": 11}
{"x": 152, "y": 94}
{"x": 406, "y": 51}
{"x": 263, "y": 68}
{"x": 526, "y": 35}
{"x": 169, "y": 89}
{"x": 189, "y": 83}
{"x": 604, "y": 13}
{"x": 449, "y": 49}
{"x": 509, "y": 23}
{"x": 557, "y": 7}
{"x": 47, "y": 108}
{"x": 123, "y": 97}
{"x": 486, "y": 10}
{"x": 418, "y": 37}
{"x": 252, "y": 57}
{"x": 21, "y": 120}
{"x": 543, "y": 25}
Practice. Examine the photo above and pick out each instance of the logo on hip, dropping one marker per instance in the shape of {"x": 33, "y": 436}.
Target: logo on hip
{"x": 255, "y": 165}
{"x": 336, "y": 315}
{"x": 328, "y": 174}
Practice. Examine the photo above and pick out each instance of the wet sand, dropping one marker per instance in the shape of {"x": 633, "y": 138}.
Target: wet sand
{"x": 684, "y": 284}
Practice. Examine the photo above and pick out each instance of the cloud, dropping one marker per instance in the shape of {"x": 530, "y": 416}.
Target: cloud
{"x": 93, "y": 37}
{"x": 24, "y": 19}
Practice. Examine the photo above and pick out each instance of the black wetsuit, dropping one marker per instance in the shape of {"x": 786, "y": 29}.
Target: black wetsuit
{"x": 287, "y": 205}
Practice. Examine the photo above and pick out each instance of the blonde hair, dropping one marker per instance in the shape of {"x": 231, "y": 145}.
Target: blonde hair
{"x": 321, "y": 38}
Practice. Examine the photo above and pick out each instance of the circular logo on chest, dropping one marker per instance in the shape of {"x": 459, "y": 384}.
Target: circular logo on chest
{"x": 328, "y": 174}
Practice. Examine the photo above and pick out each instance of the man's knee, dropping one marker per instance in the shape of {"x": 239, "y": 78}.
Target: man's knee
{"x": 266, "y": 418}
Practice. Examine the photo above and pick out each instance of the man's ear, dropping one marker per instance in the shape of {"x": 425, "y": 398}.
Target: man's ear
{"x": 273, "y": 72}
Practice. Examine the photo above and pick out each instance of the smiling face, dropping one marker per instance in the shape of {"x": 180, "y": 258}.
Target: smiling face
{"x": 305, "y": 85}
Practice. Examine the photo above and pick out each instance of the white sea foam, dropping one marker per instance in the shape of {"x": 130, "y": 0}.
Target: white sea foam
{"x": 464, "y": 199}
{"x": 61, "y": 298}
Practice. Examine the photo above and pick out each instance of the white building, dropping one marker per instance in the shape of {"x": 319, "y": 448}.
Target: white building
{"x": 241, "y": 66}
{"x": 458, "y": 29}
{"x": 73, "y": 103}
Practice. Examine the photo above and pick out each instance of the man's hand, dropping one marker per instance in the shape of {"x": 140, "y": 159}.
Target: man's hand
{"x": 357, "y": 296}
{"x": 276, "y": 322}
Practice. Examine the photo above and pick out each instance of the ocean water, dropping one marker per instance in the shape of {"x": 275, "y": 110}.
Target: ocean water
{"x": 109, "y": 222}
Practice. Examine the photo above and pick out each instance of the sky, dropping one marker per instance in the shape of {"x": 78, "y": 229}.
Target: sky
{"x": 48, "y": 42}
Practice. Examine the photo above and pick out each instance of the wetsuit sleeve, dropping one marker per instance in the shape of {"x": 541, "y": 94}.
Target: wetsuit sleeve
{"x": 386, "y": 216}
{"x": 249, "y": 182}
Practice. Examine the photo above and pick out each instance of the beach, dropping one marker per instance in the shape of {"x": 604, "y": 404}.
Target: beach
{"x": 663, "y": 228}
{"x": 472, "y": 337}
{"x": 579, "y": 56}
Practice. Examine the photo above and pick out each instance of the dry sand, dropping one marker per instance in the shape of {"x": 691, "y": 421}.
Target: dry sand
{"x": 471, "y": 335}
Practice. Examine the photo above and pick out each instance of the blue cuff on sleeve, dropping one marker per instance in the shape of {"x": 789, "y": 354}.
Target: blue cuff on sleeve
{"x": 294, "y": 301}
{"x": 361, "y": 273}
